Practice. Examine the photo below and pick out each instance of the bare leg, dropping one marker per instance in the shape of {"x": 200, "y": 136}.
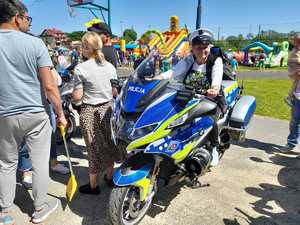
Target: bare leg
{"x": 93, "y": 180}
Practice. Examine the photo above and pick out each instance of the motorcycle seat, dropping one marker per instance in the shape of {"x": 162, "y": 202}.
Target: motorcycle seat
{"x": 203, "y": 108}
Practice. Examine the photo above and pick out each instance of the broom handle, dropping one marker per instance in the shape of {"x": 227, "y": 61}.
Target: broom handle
{"x": 63, "y": 134}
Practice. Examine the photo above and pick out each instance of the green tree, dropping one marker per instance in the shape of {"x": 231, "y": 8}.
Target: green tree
{"x": 76, "y": 35}
{"x": 129, "y": 35}
{"x": 232, "y": 42}
{"x": 270, "y": 36}
{"x": 235, "y": 42}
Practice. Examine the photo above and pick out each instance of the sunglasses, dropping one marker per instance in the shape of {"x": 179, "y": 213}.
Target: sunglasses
{"x": 28, "y": 18}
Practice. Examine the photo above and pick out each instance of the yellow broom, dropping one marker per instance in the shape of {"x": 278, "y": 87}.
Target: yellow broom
{"x": 72, "y": 183}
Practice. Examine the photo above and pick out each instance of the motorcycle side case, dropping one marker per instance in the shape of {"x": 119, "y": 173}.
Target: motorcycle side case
{"x": 242, "y": 112}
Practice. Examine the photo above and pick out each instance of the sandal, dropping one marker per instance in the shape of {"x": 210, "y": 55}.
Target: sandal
{"x": 7, "y": 220}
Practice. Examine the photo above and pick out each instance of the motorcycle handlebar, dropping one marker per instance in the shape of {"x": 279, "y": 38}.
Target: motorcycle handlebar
{"x": 115, "y": 83}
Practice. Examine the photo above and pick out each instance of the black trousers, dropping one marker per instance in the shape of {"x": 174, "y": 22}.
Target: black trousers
{"x": 215, "y": 131}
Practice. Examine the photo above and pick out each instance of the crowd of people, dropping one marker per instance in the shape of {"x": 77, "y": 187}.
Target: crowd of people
{"x": 257, "y": 59}
{"x": 29, "y": 97}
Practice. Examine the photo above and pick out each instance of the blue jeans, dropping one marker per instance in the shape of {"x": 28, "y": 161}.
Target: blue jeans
{"x": 294, "y": 123}
{"x": 24, "y": 160}
{"x": 53, "y": 152}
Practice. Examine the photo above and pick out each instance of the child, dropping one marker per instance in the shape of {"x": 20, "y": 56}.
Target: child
{"x": 294, "y": 71}
{"x": 234, "y": 66}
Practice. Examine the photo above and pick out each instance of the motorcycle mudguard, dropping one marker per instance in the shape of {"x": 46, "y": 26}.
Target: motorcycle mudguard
{"x": 126, "y": 176}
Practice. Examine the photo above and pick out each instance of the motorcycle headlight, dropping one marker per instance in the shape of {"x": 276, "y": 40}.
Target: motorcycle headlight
{"x": 140, "y": 132}
{"x": 178, "y": 121}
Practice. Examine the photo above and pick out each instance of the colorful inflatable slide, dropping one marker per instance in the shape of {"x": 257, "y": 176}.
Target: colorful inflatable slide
{"x": 277, "y": 55}
{"x": 171, "y": 42}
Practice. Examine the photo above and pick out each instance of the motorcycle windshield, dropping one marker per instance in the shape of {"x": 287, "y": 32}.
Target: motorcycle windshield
{"x": 150, "y": 67}
{"x": 139, "y": 87}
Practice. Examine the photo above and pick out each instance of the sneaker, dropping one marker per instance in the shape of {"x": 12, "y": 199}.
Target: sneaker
{"x": 287, "y": 148}
{"x": 27, "y": 182}
{"x": 215, "y": 157}
{"x": 60, "y": 168}
{"x": 288, "y": 101}
{"x": 40, "y": 216}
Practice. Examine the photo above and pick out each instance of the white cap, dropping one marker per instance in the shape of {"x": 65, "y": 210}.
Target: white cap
{"x": 203, "y": 34}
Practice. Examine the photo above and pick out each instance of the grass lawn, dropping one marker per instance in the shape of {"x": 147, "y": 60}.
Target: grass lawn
{"x": 273, "y": 69}
{"x": 269, "y": 96}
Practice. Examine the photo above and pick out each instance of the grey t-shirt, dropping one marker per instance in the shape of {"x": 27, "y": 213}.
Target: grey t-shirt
{"x": 21, "y": 55}
{"x": 95, "y": 80}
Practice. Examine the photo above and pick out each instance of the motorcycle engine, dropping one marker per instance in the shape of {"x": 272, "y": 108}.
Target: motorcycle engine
{"x": 198, "y": 162}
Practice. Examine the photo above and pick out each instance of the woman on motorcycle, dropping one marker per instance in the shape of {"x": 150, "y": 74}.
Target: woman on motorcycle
{"x": 203, "y": 69}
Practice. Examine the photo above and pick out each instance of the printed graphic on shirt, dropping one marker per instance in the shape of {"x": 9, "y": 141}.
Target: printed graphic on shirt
{"x": 197, "y": 79}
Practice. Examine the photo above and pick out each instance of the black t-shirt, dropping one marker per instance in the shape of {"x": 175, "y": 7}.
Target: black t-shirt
{"x": 110, "y": 55}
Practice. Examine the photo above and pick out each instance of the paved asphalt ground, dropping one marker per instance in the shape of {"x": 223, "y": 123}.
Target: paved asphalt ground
{"x": 254, "y": 184}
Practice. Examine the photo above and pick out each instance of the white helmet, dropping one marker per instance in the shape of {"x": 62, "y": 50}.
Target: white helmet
{"x": 201, "y": 36}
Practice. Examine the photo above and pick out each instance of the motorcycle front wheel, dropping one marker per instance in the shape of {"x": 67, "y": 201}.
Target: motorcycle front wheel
{"x": 125, "y": 207}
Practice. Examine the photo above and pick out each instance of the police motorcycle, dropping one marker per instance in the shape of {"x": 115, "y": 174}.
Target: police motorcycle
{"x": 66, "y": 90}
{"x": 165, "y": 128}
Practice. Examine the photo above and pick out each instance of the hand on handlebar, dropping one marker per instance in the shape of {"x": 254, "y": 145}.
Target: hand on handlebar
{"x": 212, "y": 93}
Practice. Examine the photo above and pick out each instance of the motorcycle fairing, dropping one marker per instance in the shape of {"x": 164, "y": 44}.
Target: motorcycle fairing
{"x": 162, "y": 129}
{"x": 156, "y": 112}
{"x": 183, "y": 141}
{"x": 135, "y": 93}
{"x": 231, "y": 91}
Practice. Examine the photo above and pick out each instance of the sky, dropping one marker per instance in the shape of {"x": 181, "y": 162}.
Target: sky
{"x": 229, "y": 17}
